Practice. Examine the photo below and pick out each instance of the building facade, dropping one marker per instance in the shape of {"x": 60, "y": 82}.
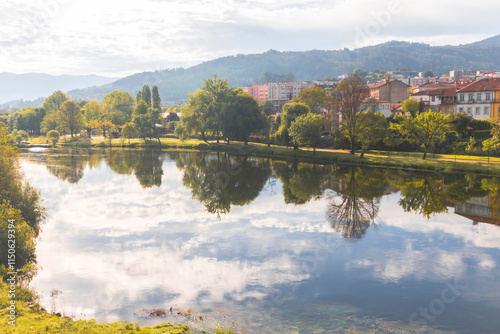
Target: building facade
{"x": 479, "y": 99}
{"x": 392, "y": 90}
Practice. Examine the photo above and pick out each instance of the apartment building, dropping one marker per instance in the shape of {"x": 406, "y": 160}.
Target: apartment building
{"x": 480, "y": 98}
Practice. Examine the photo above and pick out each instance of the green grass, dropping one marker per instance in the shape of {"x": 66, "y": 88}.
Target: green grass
{"x": 35, "y": 320}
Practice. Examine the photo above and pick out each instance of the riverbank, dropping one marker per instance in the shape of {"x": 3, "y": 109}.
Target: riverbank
{"x": 31, "y": 318}
{"x": 434, "y": 163}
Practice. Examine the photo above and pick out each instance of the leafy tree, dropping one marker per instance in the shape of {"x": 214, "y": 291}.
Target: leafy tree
{"x": 106, "y": 127}
{"x": 92, "y": 112}
{"x": 314, "y": 97}
{"x": 306, "y": 130}
{"x": 53, "y": 136}
{"x": 490, "y": 144}
{"x": 146, "y": 95}
{"x": 70, "y": 117}
{"x": 471, "y": 146}
{"x": 428, "y": 74}
{"x": 373, "y": 129}
{"x": 267, "y": 107}
{"x": 118, "y": 101}
{"x": 349, "y": 100}
{"x": 393, "y": 137}
{"x": 156, "y": 99}
{"x": 129, "y": 131}
{"x": 241, "y": 116}
{"x": 145, "y": 118}
{"x": 55, "y": 101}
{"x": 49, "y": 122}
{"x": 461, "y": 123}
{"x": 30, "y": 119}
{"x": 290, "y": 112}
{"x": 19, "y": 135}
{"x": 425, "y": 129}
{"x": 410, "y": 106}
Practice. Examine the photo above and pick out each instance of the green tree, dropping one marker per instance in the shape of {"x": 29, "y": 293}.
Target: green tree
{"x": 156, "y": 99}
{"x": 54, "y": 101}
{"x": 373, "y": 129}
{"x": 30, "y": 120}
{"x": 490, "y": 144}
{"x": 49, "y": 122}
{"x": 241, "y": 116}
{"x": 428, "y": 74}
{"x": 314, "y": 97}
{"x": 306, "y": 130}
{"x": 92, "y": 112}
{"x": 118, "y": 101}
{"x": 410, "y": 106}
{"x": 471, "y": 146}
{"x": 71, "y": 117}
{"x": 145, "y": 118}
{"x": 290, "y": 112}
{"x": 146, "y": 95}
{"x": 129, "y": 131}
{"x": 426, "y": 129}
{"x": 53, "y": 136}
{"x": 349, "y": 99}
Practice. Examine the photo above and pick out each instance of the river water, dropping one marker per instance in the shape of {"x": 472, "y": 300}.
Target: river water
{"x": 265, "y": 245}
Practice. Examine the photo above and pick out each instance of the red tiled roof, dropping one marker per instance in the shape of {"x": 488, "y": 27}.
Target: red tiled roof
{"x": 421, "y": 93}
{"x": 443, "y": 92}
{"x": 488, "y": 84}
{"x": 382, "y": 83}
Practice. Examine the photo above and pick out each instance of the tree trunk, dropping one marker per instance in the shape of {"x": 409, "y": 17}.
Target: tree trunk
{"x": 352, "y": 147}
{"x": 89, "y": 133}
{"x": 159, "y": 141}
{"x": 314, "y": 150}
{"x": 362, "y": 153}
{"x": 246, "y": 141}
{"x": 425, "y": 154}
{"x": 204, "y": 137}
{"x": 295, "y": 147}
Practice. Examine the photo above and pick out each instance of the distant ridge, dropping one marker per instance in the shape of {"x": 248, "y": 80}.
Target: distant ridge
{"x": 176, "y": 84}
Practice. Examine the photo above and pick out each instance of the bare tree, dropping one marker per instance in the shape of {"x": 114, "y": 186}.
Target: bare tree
{"x": 350, "y": 99}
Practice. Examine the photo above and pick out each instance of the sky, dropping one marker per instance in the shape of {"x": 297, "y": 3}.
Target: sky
{"x": 118, "y": 38}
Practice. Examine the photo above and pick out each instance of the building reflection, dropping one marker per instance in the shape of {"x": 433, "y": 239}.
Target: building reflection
{"x": 480, "y": 210}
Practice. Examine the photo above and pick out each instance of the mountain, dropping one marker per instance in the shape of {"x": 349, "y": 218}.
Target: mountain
{"x": 31, "y": 86}
{"x": 241, "y": 70}
{"x": 175, "y": 84}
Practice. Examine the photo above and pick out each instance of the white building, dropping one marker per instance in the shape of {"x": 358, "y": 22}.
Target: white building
{"x": 281, "y": 92}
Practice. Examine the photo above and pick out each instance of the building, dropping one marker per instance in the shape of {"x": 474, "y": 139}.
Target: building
{"x": 440, "y": 99}
{"x": 392, "y": 90}
{"x": 480, "y": 210}
{"x": 280, "y": 93}
{"x": 462, "y": 73}
{"x": 380, "y": 106}
{"x": 479, "y": 99}
{"x": 259, "y": 92}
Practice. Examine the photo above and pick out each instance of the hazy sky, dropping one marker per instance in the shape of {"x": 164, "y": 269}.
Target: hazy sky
{"x": 117, "y": 38}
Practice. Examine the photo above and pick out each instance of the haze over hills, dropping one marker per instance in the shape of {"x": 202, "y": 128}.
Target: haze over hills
{"x": 31, "y": 86}
{"x": 240, "y": 70}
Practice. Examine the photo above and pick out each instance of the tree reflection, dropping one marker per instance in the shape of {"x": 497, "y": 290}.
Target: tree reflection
{"x": 219, "y": 181}
{"x": 69, "y": 165}
{"x": 355, "y": 204}
{"x": 301, "y": 181}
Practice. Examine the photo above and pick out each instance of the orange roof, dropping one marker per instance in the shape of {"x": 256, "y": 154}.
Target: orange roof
{"x": 482, "y": 85}
{"x": 382, "y": 83}
{"x": 452, "y": 91}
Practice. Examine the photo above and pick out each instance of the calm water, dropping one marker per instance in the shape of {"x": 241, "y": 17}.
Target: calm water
{"x": 264, "y": 245}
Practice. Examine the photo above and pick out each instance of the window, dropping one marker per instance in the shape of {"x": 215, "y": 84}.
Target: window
{"x": 469, "y": 110}
{"x": 462, "y": 109}
{"x": 486, "y": 111}
{"x": 433, "y": 98}
{"x": 462, "y": 97}
{"x": 471, "y": 97}
{"x": 478, "y": 96}
{"x": 488, "y": 96}
{"x": 478, "y": 110}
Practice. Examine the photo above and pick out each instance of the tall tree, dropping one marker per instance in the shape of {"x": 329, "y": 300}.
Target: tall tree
{"x": 146, "y": 94}
{"x": 241, "y": 116}
{"x": 410, "y": 106}
{"x": 306, "y": 130}
{"x": 156, "y": 99}
{"x": 426, "y": 129}
{"x": 92, "y": 112}
{"x": 54, "y": 101}
{"x": 70, "y": 117}
{"x": 118, "y": 101}
{"x": 290, "y": 112}
{"x": 372, "y": 130}
{"x": 314, "y": 97}
{"x": 350, "y": 100}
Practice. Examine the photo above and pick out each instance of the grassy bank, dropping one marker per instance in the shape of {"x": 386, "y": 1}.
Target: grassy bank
{"x": 31, "y": 318}
{"x": 436, "y": 163}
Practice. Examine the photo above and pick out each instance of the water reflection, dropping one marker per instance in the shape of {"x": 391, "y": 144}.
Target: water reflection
{"x": 220, "y": 181}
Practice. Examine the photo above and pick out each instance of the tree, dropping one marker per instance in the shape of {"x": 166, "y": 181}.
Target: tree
{"x": 290, "y": 112}
{"x": 55, "y": 101}
{"x": 49, "y": 122}
{"x": 202, "y": 114}
{"x": 471, "y": 146}
{"x": 156, "y": 99}
{"x": 349, "y": 100}
{"x": 428, "y": 74}
{"x": 118, "y": 101}
{"x": 92, "y": 112}
{"x": 241, "y": 116}
{"x": 53, "y": 135}
{"x": 146, "y": 95}
{"x": 410, "y": 106}
{"x": 129, "y": 131}
{"x": 145, "y": 119}
{"x": 306, "y": 130}
{"x": 490, "y": 144}
{"x": 314, "y": 97}
{"x": 426, "y": 128}
{"x": 393, "y": 137}
{"x": 373, "y": 129}
{"x": 70, "y": 117}
{"x": 30, "y": 120}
